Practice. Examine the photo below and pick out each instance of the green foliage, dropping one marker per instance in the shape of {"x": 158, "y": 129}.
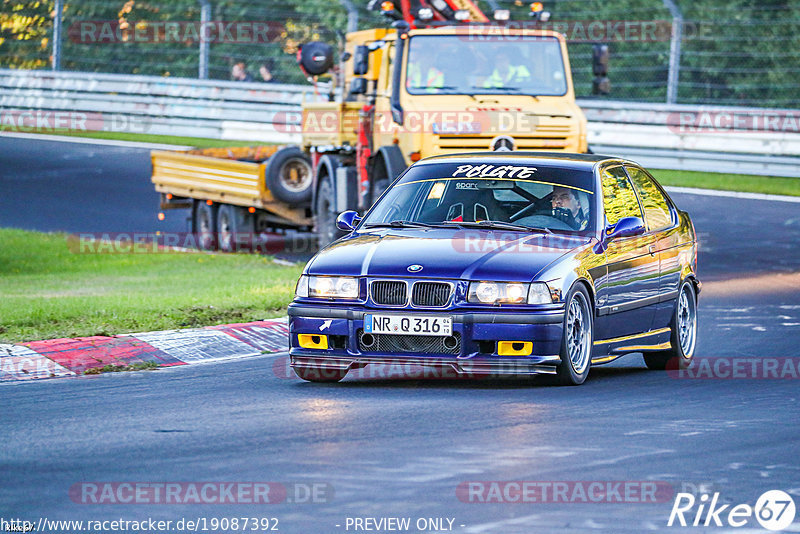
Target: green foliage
{"x": 734, "y": 52}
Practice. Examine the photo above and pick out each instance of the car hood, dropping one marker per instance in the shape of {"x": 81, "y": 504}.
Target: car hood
{"x": 453, "y": 254}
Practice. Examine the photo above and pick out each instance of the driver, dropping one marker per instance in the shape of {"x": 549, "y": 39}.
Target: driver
{"x": 567, "y": 208}
{"x": 505, "y": 73}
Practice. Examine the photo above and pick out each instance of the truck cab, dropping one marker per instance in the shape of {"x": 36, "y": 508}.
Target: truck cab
{"x": 412, "y": 93}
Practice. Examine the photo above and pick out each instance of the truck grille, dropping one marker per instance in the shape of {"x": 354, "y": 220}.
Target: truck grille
{"x": 430, "y": 294}
{"x": 389, "y": 292}
{"x": 408, "y": 343}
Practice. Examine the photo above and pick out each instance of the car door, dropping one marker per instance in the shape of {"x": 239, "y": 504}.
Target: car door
{"x": 662, "y": 222}
{"x": 631, "y": 285}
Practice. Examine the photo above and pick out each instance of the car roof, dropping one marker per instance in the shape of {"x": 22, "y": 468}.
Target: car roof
{"x": 555, "y": 159}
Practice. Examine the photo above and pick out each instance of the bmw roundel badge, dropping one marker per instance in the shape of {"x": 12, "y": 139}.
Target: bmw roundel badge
{"x": 414, "y": 268}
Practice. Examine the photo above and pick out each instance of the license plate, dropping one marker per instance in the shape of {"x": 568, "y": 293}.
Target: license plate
{"x": 420, "y": 325}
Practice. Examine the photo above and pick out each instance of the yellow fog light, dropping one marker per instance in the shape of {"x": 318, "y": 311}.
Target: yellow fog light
{"x": 312, "y": 341}
{"x": 514, "y": 348}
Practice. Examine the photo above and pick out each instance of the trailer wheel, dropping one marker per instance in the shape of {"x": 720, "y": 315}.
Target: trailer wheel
{"x": 289, "y": 175}
{"x": 204, "y": 224}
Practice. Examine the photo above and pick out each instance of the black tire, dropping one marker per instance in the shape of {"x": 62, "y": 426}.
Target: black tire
{"x": 316, "y": 374}
{"x": 379, "y": 180}
{"x": 325, "y": 222}
{"x": 204, "y": 225}
{"x": 289, "y": 176}
{"x": 577, "y": 340}
{"x": 234, "y": 228}
{"x": 388, "y": 165}
{"x": 684, "y": 319}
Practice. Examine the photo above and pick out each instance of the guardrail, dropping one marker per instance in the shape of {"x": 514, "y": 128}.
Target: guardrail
{"x": 705, "y": 138}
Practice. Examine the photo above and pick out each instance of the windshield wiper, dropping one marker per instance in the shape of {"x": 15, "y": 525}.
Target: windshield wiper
{"x": 499, "y": 226}
{"x": 399, "y": 224}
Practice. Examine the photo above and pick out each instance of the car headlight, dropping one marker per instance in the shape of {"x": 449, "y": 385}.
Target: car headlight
{"x": 497, "y": 292}
{"x": 509, "y": 293}
{"x": 327, "y": 287}
{"x": 539, "y": 293}
{"x": 301, "y": 289}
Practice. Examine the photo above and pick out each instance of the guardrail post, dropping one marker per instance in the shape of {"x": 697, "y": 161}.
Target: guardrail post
{"x": 205, "y": 18}
{"x": 674, "y": 51}
{"x": 58, "y": 10}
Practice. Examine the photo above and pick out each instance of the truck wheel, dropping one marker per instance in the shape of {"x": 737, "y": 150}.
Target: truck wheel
{"x": 204, "y": 225}
{"x": 325, "y": 216}
{"x": 233, "y": 230}
{"x": 289, "y": 176}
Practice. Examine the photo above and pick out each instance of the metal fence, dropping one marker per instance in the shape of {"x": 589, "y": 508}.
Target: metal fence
{"x": 690, "y": 137}
{"x": 736, "y": 52}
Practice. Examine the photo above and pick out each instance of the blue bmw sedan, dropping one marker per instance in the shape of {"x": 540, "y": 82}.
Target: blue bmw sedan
{"x": 505, "y": 264}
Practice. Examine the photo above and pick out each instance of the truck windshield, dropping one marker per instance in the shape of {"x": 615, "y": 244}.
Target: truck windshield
{"x": 458, "y": 64}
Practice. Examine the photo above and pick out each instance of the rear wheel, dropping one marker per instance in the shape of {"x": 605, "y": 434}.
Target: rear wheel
{"x": 317, "y": 374}
{"x": 683, "y": 333}
{"x": 578, "y": 338}
{"x": 204, "y": 224}
{"x": 232, "y": 227}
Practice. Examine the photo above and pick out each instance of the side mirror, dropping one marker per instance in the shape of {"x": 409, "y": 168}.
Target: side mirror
{"x": 348, "y": 220}
{"x": 361, "y": 60}
{"x": 625, "y": 227}
{"x": 358, "y": 86}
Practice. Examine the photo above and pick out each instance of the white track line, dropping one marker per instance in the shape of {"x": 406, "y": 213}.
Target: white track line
{"x": 735, "y": 194}
{"x": 93, "y": 141}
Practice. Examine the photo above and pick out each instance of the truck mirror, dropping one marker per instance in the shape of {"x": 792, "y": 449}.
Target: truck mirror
{"x": 600, "y": 60}
{"x": 601, "y": 84}
{"x": 315, "y": 58}
{"x": 361, "y": 60}
{"x": 358, "y": 86}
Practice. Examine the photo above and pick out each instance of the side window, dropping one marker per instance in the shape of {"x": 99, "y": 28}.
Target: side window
{"x": 618, "y": 196}
{"x": 656, "y": 210}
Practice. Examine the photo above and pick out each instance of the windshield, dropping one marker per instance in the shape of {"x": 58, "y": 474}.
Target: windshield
{"x": 506, "y": 197}
{"x": 454, "y": 64}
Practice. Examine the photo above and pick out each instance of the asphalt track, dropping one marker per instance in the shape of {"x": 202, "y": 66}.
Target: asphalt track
{"x": 399, "y": 447}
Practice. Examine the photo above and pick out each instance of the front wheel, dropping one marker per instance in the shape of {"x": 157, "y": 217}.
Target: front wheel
{"x": 683, "y": 333}
{"x": 578, "y": 338}
{"x": 325, "y": 223}
{"x": 317, "y": 374}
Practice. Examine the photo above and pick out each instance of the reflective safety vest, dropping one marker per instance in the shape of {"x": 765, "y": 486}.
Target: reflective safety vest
{"x": 514, "y": 73}
{"x": 434, "y": 79}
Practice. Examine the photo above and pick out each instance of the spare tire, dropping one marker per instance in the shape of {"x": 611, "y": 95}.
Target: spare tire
{"x": 315, "y": 57}
{"x": 289, "y": 176}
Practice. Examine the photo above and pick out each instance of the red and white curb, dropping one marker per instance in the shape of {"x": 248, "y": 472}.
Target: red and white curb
{"x": 55, "y": 358}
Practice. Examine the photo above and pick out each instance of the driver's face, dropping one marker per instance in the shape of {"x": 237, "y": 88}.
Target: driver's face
{"x": 564, "y": 198}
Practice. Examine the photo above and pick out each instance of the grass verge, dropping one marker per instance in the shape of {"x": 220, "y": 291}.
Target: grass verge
{"x": 111, "y": 368}
{"x": 771, "y": 185}
{"x": 199, "y": 142}
{"x": 50, "y": 292}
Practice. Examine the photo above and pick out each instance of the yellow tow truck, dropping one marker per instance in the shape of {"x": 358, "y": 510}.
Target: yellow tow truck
{"x": 442, "y": 79}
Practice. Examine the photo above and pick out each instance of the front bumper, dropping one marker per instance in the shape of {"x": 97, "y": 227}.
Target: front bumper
{"x": 477, "y": 332}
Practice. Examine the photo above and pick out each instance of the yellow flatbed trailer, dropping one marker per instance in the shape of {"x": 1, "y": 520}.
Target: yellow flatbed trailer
{"x": 227, "y": 195}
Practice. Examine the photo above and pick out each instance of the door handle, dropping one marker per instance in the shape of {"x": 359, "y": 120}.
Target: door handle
{"x": 652, "y": 250}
